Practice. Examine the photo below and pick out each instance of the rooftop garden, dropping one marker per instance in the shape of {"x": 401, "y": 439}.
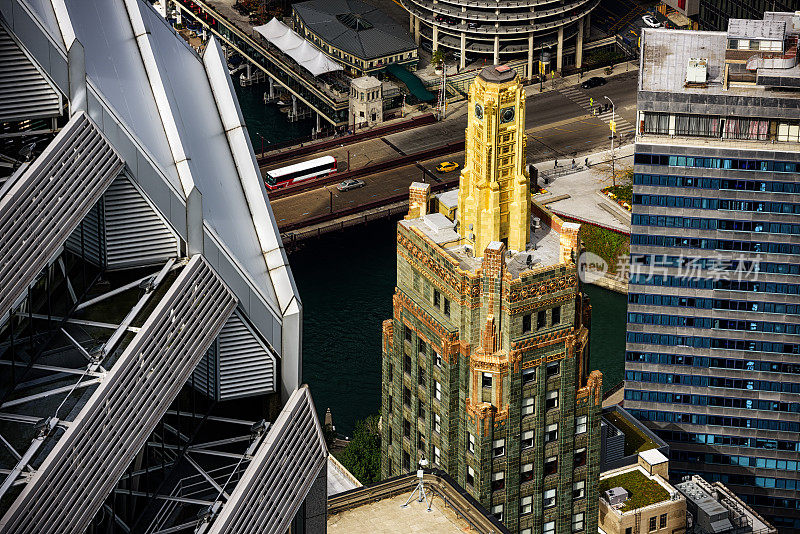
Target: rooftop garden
{"x": 636, "y": 441}
{"x": 641, "y": 490}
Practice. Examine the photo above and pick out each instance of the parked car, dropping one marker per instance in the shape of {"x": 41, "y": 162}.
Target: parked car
{"x": 446, "y": 166}
{"x": 353, "y": 183}
{"x": 472, "y": 25}
{"x": 594, "y": 81}
{"x": 651, "y": 21}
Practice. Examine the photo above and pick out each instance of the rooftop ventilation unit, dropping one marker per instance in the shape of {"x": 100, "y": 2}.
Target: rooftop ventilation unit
{"x": 616, "y": 496}
{"x": 696, "y": 71}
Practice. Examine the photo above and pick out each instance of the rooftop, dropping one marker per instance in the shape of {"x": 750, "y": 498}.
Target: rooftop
{"x": 643, "y": 490}
{"x": 378, "y": 509}
{"x": 543, "y": 248}
{"x": 666, "y": 54}
{"x": 718, "y": 510}
{"x": 387, "y": 516}
{"x": 354, "y": 27}
{"x": 636, "y": 441}
{"x": 768, "y": 30}
{"x": 449, "y": 198}
{"x": 339, "y": 478}
{"x": 498, "y": 73}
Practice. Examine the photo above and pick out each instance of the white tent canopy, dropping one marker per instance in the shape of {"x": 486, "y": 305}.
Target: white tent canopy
{"x": 297, "y": 48}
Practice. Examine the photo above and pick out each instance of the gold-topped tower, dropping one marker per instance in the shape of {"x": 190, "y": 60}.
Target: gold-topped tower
{"x": 494, "y": 190}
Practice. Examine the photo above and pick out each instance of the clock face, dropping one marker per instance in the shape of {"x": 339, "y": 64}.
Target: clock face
{"x": 507, "y": 115}
{"x": 478, "y": 111}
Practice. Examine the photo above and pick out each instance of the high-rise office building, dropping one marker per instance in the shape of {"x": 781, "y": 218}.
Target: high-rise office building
{"x": 713, "y": 353}
{"x": 714, "y": 14}
{"x": 150, "y": 327}
{"x": 485, "y": 361}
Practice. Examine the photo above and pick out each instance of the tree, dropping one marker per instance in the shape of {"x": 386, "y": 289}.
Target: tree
{"x": 362, "y": 457}
{"x": 437, "y": 59}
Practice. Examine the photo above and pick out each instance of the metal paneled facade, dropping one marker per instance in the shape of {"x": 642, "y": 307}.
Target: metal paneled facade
{"x": 72, "y": 483}
{"x": 24, "y": 91}
{"x": 78, "y": 165}
{"x": 285, "y": 466}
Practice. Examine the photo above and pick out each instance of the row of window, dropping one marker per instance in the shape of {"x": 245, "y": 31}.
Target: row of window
{"x": 714, "y": 244}
{"x": 712, "y": 400}
{"x": 723, "y": 204}
{"x": 549, "y": 527}
{"x": 701, "y": 342}
{"x": 712, "y": 381}
{"x": 717, "y": 285}
{"x": 707, "y": 362}
{"x": 541, "y": 319}
{"x": 715, "y": 420}
{"x": 718, "y": 264}
{"x": 661, "y": 319}
{"x": 441, "y": 303}
{"x": 527, "y": 437}
{"x": 745, "y": 128}
{"x": 548, "y": 501}
{"x": 730, "y": 441}
{"x": 717, "y": 163}
{"x": 550, "y": 468}
{"x": 713, "y": 304}
{"x": 727, "y": 459}
{"x": 730, "y": 225}
{"x": 762, "y": 186}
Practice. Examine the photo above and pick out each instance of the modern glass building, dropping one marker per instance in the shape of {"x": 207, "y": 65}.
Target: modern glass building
{"x": 714, "y": 14}
{"x": 713, "y": 336}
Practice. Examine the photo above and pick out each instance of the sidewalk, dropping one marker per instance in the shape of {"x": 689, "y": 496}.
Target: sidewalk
{"x": 574, "y": 79}
{"x": 578, "y": 194}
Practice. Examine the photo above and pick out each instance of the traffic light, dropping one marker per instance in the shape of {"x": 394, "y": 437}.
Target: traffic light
{"x": 613, "y": 126}
{"x": 591, "y": 102}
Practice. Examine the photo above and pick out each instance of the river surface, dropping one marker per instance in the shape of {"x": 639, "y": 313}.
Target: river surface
{"x": 346, "y": 281}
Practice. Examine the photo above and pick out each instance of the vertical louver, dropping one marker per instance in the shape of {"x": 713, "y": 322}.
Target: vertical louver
{"x": 135, "y": 234}
{"x": 240, "y": 364}
{"x": 87, "y": 239}
{"x": 24, "y": 91}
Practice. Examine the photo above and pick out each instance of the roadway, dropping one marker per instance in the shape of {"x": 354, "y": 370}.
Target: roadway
{"x": 558, "y": 127}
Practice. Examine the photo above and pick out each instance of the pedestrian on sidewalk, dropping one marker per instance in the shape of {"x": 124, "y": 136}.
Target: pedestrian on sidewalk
{"x": 586, "y": 162}
{"x": 573, "y": 163}
{"x": 555, "y": 164}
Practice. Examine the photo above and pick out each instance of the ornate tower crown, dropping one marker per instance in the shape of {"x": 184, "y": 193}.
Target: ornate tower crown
{"x": 494, "y": 190}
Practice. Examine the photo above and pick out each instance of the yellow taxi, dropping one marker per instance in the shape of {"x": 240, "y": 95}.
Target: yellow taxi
{"x": 446, "y": 166}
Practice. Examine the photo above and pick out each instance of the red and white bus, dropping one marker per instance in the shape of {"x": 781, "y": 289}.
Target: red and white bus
{"x": 299, "y": 172}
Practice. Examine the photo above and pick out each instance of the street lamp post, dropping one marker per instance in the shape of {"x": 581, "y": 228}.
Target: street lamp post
{"x": 613, "y": 132}
{"x": 331, "y": 196}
